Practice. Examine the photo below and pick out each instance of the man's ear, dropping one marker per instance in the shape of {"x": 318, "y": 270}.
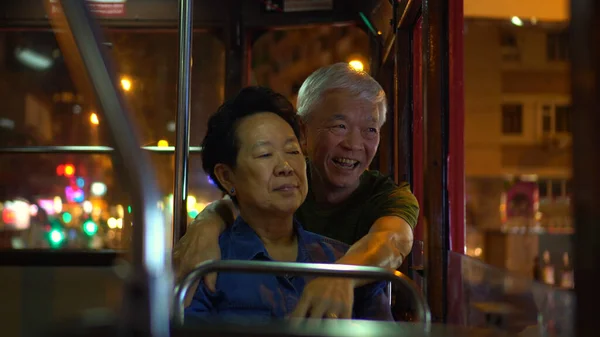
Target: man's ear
{"x": 303, "y": 135}
{"x": 226, "y": 177}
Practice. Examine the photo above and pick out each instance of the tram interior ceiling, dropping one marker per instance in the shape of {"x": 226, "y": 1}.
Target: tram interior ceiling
{"x": 209, "y": 14}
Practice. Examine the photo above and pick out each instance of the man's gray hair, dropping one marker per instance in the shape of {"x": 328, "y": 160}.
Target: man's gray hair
{"x": 340, "y": 76}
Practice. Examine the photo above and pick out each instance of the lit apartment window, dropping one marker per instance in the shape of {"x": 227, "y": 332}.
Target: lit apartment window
{"x": 556, "y": 119}
{"x": 512, "y": 119}
{"x": 557, "y": 46}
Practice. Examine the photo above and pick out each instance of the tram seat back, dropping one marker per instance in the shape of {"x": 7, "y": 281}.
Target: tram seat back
{"x": 34, "y": 298}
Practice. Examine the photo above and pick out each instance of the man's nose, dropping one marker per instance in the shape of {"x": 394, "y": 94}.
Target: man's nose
{"x": 353, "y": 140}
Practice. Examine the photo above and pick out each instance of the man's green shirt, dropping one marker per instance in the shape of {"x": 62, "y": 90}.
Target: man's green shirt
{"x": 377, "y": 196}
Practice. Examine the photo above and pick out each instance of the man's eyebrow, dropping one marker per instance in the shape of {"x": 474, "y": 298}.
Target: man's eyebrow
{"x": 337, "y": 117}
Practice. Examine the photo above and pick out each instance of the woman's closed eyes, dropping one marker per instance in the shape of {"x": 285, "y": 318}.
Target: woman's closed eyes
{"x": 267, "y": 155}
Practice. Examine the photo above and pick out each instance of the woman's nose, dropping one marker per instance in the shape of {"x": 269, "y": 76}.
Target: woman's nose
{"x": 284, "y": 169}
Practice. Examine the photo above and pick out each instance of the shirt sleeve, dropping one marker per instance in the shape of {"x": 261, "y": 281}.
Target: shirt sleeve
{"x": 392, "y": 200}
{"x": 372, "y": 303}
{"x": 202, "y": 303}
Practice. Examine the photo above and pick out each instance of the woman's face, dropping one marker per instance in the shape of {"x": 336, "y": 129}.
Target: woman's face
{"x": 270, "y": 172}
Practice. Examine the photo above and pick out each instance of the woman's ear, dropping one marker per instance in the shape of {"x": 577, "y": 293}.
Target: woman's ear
{"x": 226, "y": 178}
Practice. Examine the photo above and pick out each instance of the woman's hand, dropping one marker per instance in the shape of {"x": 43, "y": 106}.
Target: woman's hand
{"x": 326, "y": 298}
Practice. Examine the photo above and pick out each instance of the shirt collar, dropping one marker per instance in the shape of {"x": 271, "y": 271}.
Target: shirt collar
{"x": 247, "y": 245}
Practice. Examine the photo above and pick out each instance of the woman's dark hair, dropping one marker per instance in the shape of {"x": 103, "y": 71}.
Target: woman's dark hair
{"x": 221, "y": 145}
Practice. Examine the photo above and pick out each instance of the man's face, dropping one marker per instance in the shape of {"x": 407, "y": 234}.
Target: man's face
{"x": 342, "y": 135}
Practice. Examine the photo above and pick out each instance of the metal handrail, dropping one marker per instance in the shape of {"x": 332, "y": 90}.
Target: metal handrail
{"x": 146, "y": 308}
{"x": 311, "y": 269}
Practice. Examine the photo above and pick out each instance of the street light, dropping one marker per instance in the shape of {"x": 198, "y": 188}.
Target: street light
{"x": 94, "y": 119}
{"x": 516, "y": 21}
{"x": 357, "y": 65}
{"x": 163, "y": 143}
{"x": 125, "y": 83}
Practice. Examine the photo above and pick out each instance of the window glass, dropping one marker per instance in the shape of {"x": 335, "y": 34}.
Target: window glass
{"x": 43, "y": 107}
{"x": 543, "y": 188}
{"x": 557, "y": 188}
{"x": 546, "y": 119}
{"x": 563, "y": 118}
{"x": 557, "y": 46}
{"x": 512, "y": 118}
{"x": 517, "y": 124}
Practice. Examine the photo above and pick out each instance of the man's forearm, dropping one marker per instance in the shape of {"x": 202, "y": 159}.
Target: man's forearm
{"x": 385, "y": 249}
{"x": 219, "y": 212}
{"x": 202, "y": 233}
{"x": 378, "y": 250}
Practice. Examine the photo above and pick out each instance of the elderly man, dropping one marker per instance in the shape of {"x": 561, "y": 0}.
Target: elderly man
{"x": 342, "y": 111}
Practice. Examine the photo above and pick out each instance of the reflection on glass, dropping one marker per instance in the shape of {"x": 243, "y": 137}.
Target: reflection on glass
{"x": 487, "y": 297}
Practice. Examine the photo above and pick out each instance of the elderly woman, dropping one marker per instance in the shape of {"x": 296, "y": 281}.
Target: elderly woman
{"x": 252, "y": 151}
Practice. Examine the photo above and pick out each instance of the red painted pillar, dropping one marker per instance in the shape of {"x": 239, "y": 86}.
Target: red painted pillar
{"x": 456, "y": 146}
{"x": 457, "y": 306}
{"x": 417, "y": 183}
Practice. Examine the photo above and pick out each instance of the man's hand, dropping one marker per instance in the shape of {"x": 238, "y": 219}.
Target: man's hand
{"x": 388, "y": 242}
{"x": 326, "y": 298}
{"x": 201, "y": 241}
{"x": 199, "y": 244}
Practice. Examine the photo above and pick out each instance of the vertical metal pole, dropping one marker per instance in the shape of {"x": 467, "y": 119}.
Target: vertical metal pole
{"x": 585, "y": 91}
{"x": 236, "y": 48}
{"x": 182, "y": 144}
